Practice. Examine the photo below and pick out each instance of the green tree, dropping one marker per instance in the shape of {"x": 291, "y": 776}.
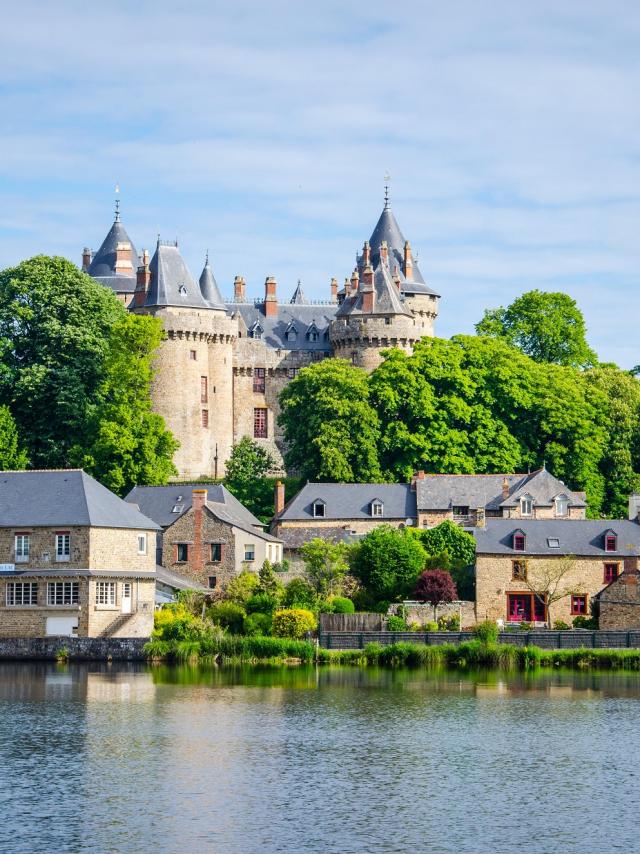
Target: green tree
{"x": 387, "y": 561}
{"x": 325, "y": 565}
{"x": 246, "y": 478}
{"x": 127, "y": 443}
{"x": 549, "y": 327}
{"x": 330, "y": 427}
{"x": 269, "y": 584}
{"x": 12, "y": 456}
{"x": 450, "y": 548}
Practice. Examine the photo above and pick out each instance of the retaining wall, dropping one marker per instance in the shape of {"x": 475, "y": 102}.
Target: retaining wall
{"x": 90, "y": 649}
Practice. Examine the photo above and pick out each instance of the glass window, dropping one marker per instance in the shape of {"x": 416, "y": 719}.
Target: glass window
{"x": 249, "y": 551}
{"x": 259, "y": 423}
{"x": 562, "y": 505}
{"x": 142, "y": 544}
{"x": 526, "y": 505}
{"x": 610, "y": 542}
{"x": 63, "y": 546}
{"x": 22, "y": 593}
{"x": 259, "y": 375}
{"x": 63, "y": 593}
{"x": 204, "y": 390}
{"x": 22, "y": 548}
{"x": 579, "y": 605}
{"x": 212, "y": 581}
{"x": 553, "y": 542}
{"x": 377, "y": 508}
{"x": 519, "y": 542}
{"x": 519, "y": 570}
{"x": 216, "y": 552}
{"x": 319, "y": 509}
{"x": 611, "y": 572}
{"x": 105, "y": 593}
{"x": 205, "y": 417}
{"x": 291, "y": 335}
{"x": 292, "y": 373}
{"x": 182, "y": 552}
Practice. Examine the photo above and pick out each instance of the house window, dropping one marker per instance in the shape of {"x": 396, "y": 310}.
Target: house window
{"x": 205, "y": 417}
{"x": 249, "y": 551}
{"x": 142, "y": 544}
{"x": 22, "y": 593}
{"x": 256, "y": 332}
{"x": 182, "y": 552}
{"x": 519, "y": 542}
{"x": 178, "y": 508}
{"x": 216, "y": 552}
{"x": 519, "y": 570}
{"x": 193, "y": 355}
{"x": 610, "y": 542}
{"x": 611, "y": 572}
{"x": 312, "y": 335}
{"x": 63, "y": 546}
{"x": 579, "y": 605}
{"x": 204, "y": 390}
{"x": 292, "y": 373}
{"x": 553, "y": 542}
{"x": 319, "y": 508}
{"x": 291, "y": 335}
{"x": 105, "y": 593}
{"x": 259, "y": 423}
{"x": 460, "y": 512}
{"x": 259, "y": 380}
{"x": 212, "y": 581}
{"x": 562, "y": 505}
{"x": 377, "y": 508}
{"x": 22, "y": 548}
{"x": 526, "y": 505}
{"x": 63, "y": 593}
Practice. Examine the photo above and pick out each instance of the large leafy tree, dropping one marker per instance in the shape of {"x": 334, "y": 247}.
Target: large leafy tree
{"x": 325, "y": 565}
{"x": 246, "y": 478}
{"x": 549, "y": 327}
{"x": 12, "y": 456}
{"x": 387, "y": 562}
{"x": 330, "y": 427}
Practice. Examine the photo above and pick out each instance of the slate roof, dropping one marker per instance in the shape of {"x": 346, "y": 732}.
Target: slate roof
{"x": 582, "y": 537}
{"x": 295, "y": 538}
{"x": 386, "y": 298}
{"x": 302, "y": 316}
{"x": 209, "y": 288}
{"x": 443, "y": 491}
{"x": 158, "y": 502}
{"x": 64, "y": 497}
{"x": 298, "y": 297}
{"x": 171, "y": 281}
{"x": 179, "y": 582}
{"x": 103, "y": 264}
{"x": 352, "y": 501}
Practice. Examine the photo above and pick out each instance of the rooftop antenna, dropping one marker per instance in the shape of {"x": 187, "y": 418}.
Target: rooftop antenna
{"x": 117, "y": 219}
{"x": 387, "y": 181}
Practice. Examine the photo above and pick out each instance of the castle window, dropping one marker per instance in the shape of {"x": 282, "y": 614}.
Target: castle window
{"x": 212, "y": 581}
{"x": 205, "y": 417}
{"x": 611, "y": 572}
{"x": 292, "y": 333}
{"x": 387, "y": 320}
{"x": 182, "y": 290}
{"x": 319, "y": 509}
{"x": 182, "y": 552}
{"x": 526, "y": 505}
{"x": 562, "y": 505}
{"x": 142, "y": 544}
{"x": 204, "y": 390}
{"x": 259, "y": 380}
{"x": 63, "y": 593}
{"x": 610, "y": 542}
{"x": 193, "y": 355}
{"x": 259, "y": 423}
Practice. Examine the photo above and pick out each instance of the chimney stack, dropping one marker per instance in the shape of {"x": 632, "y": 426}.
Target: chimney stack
{"x": 367, "y": 289}
{"x": 143, "y": 280}
{"x": 408, "y": 263}
{"x": 366, "y": 254}
{"x": 505, "y": 488}
{"x": 396, "y": 277}
{"x": 124, "y": 265}
{"x": 238, "y": 289}
{"x": 270, "y": 298}
{"x": 278, "y": 497}
{"x": 634, "y": 507}
{"x": 355, "y": 282}
{"x": 198, "y": 502}
{"x": 419, "y": 475}
{"x": 86, "y": 259}
{"x": 334, "y": 290}
{"x": 384, "y": 252}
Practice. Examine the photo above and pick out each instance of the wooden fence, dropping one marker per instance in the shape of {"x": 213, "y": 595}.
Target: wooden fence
{"x": 575, "y": 639}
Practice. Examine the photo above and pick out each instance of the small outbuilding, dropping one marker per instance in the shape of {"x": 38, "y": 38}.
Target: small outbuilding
{"x": 620, "y": 600}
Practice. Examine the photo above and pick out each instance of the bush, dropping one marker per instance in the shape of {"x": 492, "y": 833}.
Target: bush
{"x": 486, "y": 632}
{"x": 300, "y": 594}
{"x": 435, "y": 586}
{"x": 257, "y": 624}
{"x": 585, "y": 623}
{"x": 449, "y": 624}
{"x": 561, "y": 626}
{"x": 341, "y": 605}
{"x": 387, "y": 562}
{"x": 396, "y": 624}
{"x": 293, "y": 623}
{"x": 431, "y": 626}
{"x": 240, "y": 588}
{"x": 229, "y": 615}
{"x": 261, "y": 603}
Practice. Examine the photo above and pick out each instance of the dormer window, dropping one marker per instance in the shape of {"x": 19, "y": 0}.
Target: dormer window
{"x": 319, "y": 509}
{"x": 292, "y": 333}
{"x": 256, "y": 330}
{"x": 519, "y": 541}
{"x": 610, "y": 542}
{"x": 377, "y": 508}
{"x": 526, "y": 505}
{"x": 182, "y": 291}
{"x": 562, "y": 505}
{"x": 312, "y": 333}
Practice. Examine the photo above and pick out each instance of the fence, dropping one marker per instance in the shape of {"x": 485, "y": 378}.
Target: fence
{"x": 575, "y": 639}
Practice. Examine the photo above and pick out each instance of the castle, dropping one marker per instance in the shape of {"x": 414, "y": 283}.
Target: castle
{"x": 223, "y": 364}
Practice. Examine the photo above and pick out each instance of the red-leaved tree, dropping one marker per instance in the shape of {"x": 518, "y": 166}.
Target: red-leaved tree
{"x": 435, "y": 586}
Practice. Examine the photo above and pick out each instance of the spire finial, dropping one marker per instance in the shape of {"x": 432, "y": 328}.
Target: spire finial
{"x": 117, "y": 219}
{"x": 387, "y": 181}
{"x": 206, "y": 257}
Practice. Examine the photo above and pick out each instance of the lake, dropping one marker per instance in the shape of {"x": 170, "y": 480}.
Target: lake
{"x": 127, "y": 758}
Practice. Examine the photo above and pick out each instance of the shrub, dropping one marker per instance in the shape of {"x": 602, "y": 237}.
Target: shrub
{"x": 435, "y": 586}
{"x": 293, "y": 623}
{"x": 240, "y": 588}
{"x": 268, "y": 583}
{"x": 449, "y": 624}
{"x": 341, "y": 605}
{"x": 486, "y": 632}
{"x": 300, "y": 594}
{"x": 229, "y": 615}
{"x": 257, "y": 624}
{"x": 261, "y": 603}
{"x": 396, "y": 624}
{"x": 585, "y": 623}
{"x": 431, "y": 626}
{"x": 387, "y": 562}
{"x": 561, "y": 626}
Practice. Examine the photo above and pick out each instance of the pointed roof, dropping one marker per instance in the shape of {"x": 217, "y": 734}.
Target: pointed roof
{"x": 543, "y": 488}
{"x": 386, "y": 298}
{"x": 171, "y": 281}
{"x": 103, "y": 264}
{"x": 209, "y": 287}
{"x": 298, "y": 297}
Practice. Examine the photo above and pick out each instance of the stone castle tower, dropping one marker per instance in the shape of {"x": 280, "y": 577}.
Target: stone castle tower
{"x": 223, "y": 364}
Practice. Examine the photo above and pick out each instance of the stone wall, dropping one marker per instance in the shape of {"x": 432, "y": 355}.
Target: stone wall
{"x": 416, "y": 612}
{"x": 544, "y": 513}
{"x": 110, "y": 619}
{"x": 200, "y": 569}
{"x": 362, "y": 339}
{"x": 117, "y": 548}
{"x": 42, "y": 547}
{"x": 90, "y": 649}
{"x": 620, "y": 603}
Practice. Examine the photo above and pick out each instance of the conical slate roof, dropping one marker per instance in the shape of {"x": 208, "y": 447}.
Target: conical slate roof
{"x": 171, "y": 281}
{"x": 209, "y": 288}
{"x": 298, "y": 297}
{"x": 386, "y": 299}
{"x": 103, "y": 265}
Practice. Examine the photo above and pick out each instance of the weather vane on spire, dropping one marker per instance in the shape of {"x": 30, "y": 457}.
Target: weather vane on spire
{"x": 117, "y": 203}
{"x": 387, "y": 181}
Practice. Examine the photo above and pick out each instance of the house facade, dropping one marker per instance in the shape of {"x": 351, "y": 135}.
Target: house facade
{"x": 74, "y": 558}
{"x": 207, "y": 536}
{"x": 619, "y": 602}
{"x": 518, "y": 560}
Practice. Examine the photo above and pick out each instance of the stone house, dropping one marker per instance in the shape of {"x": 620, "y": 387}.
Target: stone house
{"x": 74, "y": 558}
{"x": 469, "y": 499}
{"x": 224, "y": 361}
{"x": 619, "y": 602}
{"x": 207, "y": 536}
{"x": 581, "y": 557}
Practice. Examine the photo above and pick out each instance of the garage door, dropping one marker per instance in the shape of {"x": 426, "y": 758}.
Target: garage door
{"x": 62, "y": 626}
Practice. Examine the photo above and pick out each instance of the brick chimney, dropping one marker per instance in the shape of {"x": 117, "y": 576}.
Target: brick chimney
{"x": 419, "y": 475}
{"x": 408, "y": 263}
{"x": 86, "y": 259}
{"x": 334, "y": 290}
{"x": 143, "y": 280}
{"x": 355, "y": 282}
{"x": 198, "y": 502}
{"x": 384, "y": 252}
{"x": 505, "y": 488}
{"x": 270, "y": 298}
{"x": 124, "y": 265}
{"x": 367, "y": 289}
{"x": 239, "y": 289}
{"x": 396, "y": 277}
{"x": 278, "y": 497}
{"x": 366, "y": 254}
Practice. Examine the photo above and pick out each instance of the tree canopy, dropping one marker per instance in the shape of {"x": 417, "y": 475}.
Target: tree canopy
{"x": 12, "y": 456}
{"x": 387, "y": 561}
{"x": 549, "y": 327}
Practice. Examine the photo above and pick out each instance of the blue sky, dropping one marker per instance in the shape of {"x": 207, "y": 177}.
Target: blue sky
{"x": 262, "y": 133}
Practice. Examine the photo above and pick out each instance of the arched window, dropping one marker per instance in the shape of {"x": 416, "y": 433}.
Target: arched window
{"x": 562, "y": 505}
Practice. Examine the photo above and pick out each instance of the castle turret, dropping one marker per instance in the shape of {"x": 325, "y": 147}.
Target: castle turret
{"x": 115, "y": 264}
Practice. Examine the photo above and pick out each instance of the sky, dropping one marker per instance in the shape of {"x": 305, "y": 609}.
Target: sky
{"x": 262, "y": 132}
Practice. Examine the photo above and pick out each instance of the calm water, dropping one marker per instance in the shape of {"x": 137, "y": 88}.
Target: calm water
{"x": 129, "y": 759}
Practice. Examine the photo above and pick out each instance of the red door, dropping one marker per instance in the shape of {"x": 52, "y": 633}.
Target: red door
{"x": 519, "y": 607}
